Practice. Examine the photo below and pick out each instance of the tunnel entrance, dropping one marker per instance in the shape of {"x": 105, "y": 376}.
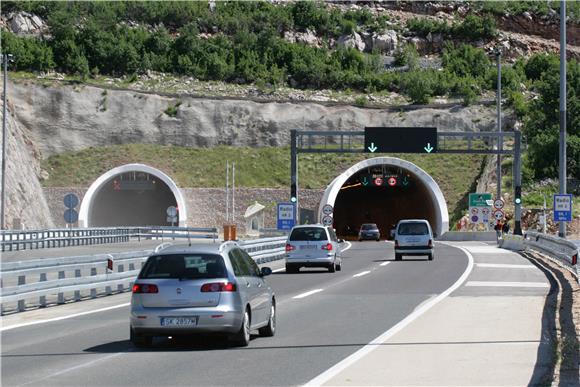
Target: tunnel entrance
{"x": 131, "y": 195}
{"x": 384, "y": 190}
{"x": 382, "y": 195}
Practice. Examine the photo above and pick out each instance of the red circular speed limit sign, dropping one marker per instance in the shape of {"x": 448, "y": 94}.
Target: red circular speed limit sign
{"x": 379, "y": 181}
{"x": 392, "y": 181}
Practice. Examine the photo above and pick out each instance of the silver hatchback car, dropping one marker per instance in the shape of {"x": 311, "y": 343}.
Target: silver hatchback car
{"x": 313, "y": 246}
{"x": 183, "y": 290}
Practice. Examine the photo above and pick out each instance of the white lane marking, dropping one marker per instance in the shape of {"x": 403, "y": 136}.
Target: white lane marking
{"x": 504, "y": 266}
{"x": 384, "y": 263}
{"x": 508, "y": 284}
{"x": 342, "y": 365}
{"x": 347, "y": 247}
{"x": 64, "y": 317}
{"x": 278, "y": 270}
{"x": 488, "y": 250}
{"x": 307, "y": 293}
{"x": 361, "y": 274}
{"x": 83, "y": 365}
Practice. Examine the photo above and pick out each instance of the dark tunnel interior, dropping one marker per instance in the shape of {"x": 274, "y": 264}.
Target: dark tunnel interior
{"x": 383, "y": 195}
{"x": 132, "y": 199}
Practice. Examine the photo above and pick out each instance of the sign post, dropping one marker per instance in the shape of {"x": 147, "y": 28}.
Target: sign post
{"x": 286, "y": 216}
{"x": 480, "y": 208}
{"x": 563, "y": 208}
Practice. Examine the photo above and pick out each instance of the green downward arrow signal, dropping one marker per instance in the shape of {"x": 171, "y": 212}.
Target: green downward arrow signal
{"x": 364, "y": 181}
{"x": 428, "y": 148}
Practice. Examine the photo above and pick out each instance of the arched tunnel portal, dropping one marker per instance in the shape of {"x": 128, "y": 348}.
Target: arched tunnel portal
{"x": 384, "y": 190}
{"x": 131, "y": 195}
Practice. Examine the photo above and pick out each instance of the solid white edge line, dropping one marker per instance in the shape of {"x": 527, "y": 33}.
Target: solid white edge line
{"x": 507, "y": 284}
{"x": 504, "y": 266}
{"x": 307, "y": 294}
{"x": 346, "y": 248}
{"x": 361, "y": 273}
{"x": 348, "y": 361}
{"x": 64, "y": 317}
{"x": 384, "y": 263}
{"x": 278, "y": 270}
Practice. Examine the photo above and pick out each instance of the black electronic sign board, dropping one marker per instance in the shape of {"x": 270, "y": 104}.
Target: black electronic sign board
{"x": 400, "y": 140}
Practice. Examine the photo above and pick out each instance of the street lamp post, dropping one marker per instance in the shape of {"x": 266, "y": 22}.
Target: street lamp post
{"x": 497, "y": 52}
{"x": 4, "y": 60}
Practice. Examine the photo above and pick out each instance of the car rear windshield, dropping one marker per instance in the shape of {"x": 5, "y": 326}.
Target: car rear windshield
{"x": 308, "y": 234}
{"x": 413, "y": 229}
{"x": 184, "y": 266}
{"x": 369, "y": 226}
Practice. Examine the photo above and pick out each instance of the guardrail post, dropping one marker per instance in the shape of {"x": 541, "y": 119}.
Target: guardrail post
{"x": 94, "y": 291}
{"x": 21, "y": 303}
{"x": 77, "y": 292}
{"x": 42, "y": 299}
{"x": 60, "y": 299}
{"x": 120, "y": 269}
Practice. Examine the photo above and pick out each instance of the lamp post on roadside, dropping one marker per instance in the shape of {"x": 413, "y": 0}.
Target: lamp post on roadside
{"x": 4, "y": 60}
{"x": 497, "y": 52}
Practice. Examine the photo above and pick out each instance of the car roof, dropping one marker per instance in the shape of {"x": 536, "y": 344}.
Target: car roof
{"x": 414, "y": 221}
{"x": 199, "y": 248}
{"x": 310, "y": 225}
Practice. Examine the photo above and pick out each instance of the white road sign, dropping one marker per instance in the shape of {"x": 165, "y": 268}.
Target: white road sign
{"x": 498, "y": 204}
{"x": 327, "y": 209}
{"x": 171, "y": 211}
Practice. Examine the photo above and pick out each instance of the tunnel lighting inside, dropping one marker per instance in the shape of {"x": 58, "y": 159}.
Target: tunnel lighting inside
{"x": 132, "y": 199}
{"x": 382, "y": 194}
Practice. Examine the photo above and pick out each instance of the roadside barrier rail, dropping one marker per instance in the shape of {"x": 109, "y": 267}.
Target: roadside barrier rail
{"x": 32, "y": 281}
{"x": 562, "y": 251}
{"x": 13, "y": 240}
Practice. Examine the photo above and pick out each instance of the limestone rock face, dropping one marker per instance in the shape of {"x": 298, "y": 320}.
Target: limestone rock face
{"x": 25, "y": 205}
{"x": 352, "y": 41}
{"x": 71, "y": 118}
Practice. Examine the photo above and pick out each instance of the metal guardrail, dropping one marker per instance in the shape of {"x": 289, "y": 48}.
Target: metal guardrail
{"x": 13, "y": 240}
{"x": 562, "y": 251}
{"x": 111, "y": 272}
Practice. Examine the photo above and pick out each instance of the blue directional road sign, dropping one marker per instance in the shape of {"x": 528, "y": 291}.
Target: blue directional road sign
{"x": 286, "y": 216}
{"x": 70, "y": 215}
{"x": 71, "y": 200}
{"x": 563, "y": 208}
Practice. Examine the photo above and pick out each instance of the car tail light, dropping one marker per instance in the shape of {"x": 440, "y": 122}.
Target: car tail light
{"x": 218, "y": 287}
{"x": 289, "y": 247}
{"x": 396, "y": 243}
{"x": 145, "y": 288}
{"x": 327, "y": 246}
{"x": 430, "y": 243}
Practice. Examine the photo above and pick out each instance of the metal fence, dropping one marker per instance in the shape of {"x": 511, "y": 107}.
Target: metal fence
{"x": 39, "y": 239}
{"x": 562, "y": 251}
{"x": 33, "y": 282}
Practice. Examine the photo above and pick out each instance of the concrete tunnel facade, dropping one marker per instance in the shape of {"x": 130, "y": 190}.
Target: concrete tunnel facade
{"x": 415, "y": 195}
{"x": 131, "y": 195}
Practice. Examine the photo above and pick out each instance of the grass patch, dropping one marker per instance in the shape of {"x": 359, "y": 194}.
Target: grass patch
{"x": 255, "y": 167}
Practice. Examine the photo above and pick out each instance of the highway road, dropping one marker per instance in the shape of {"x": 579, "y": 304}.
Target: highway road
{"x": 451, "y": 321}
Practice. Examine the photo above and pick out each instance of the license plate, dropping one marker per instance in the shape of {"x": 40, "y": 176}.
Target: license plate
{"x": 178, "y": 321}
{"x": 307, "y": 247}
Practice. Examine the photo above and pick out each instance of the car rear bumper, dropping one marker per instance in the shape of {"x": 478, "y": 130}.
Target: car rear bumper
{"x": 148, "y": 320}
{"x": 369, "y": 237}
{"x": 310, "y": 262}
{"x": 414, "y": 250}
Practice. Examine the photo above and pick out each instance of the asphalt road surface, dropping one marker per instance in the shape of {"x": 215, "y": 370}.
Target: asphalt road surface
{"x": 322, "y": 319}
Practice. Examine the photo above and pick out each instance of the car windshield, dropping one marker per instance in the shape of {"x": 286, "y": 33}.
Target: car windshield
{"x": 413, "y": 229}
{"x": 308, "y": 234}
{"x": 369, "y": 226}
{"x": 184, "y": 266}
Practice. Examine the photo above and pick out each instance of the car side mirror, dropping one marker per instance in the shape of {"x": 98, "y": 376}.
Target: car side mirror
{"x": 341, "y": 241}
{"x": 265, "y": 271}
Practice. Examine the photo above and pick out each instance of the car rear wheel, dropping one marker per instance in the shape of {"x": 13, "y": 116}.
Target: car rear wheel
{"x": 339, "y": 267}
{"x": 140, "y": 340}
{"x": 398, "y": 257}
{"x": 270, "y": 329}
{"x": 332, "y": 267}
{"x": 242, "y": 338}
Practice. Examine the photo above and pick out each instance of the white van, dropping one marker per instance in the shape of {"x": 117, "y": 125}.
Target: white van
{"x": 413, "y": 237}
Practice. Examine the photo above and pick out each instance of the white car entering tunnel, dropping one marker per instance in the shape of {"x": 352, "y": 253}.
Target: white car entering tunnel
{"x": 413, "y": 237}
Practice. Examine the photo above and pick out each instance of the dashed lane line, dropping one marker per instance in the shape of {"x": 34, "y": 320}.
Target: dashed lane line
{"x": 361, "y": 273}
{"x": 307, "y": 294}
